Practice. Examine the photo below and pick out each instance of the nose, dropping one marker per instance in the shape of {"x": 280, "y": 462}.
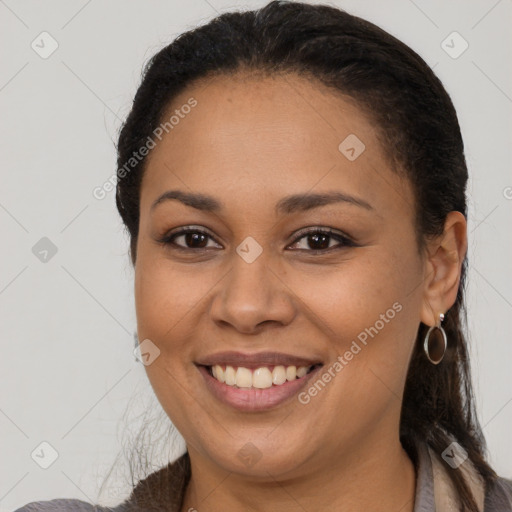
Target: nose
{"x": 251, "y": 296}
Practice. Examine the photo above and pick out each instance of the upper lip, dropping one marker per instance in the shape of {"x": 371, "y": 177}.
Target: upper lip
{"x": 256, "y": 360}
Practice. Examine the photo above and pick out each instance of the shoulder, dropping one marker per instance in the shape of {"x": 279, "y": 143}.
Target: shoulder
{"x": 64, "y": 505}
{"x": 498, "y": 496}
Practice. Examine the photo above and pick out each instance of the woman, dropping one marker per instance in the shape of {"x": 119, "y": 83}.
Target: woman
{"x": 293, "y": 183}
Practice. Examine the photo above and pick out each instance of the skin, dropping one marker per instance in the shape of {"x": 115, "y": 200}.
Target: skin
{"x": 249, "y": 142}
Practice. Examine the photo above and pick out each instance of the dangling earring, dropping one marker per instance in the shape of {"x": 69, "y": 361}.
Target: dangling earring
{"x": 435, "y": 348}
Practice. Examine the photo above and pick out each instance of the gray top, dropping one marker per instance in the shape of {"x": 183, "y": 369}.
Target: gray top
{"x": 499, "y": 500}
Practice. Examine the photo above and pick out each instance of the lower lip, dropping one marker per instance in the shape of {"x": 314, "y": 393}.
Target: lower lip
{"x": 253, "y": 399}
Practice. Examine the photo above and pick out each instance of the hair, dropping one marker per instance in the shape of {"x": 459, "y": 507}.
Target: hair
{"x": 418, "y": 128}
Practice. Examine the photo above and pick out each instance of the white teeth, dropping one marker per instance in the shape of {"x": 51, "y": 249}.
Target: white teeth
{"x": 291, "y": 373}
{"x": 229, "y": 376}
{"x": 261, "y": 378}
{"x": 301, "y": 371}
{"x": 243, "y": 377}
{"x": 218, "y": 373}
{"x": 279, "y": 375}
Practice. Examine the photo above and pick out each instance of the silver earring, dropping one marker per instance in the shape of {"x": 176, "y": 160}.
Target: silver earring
{"x": 435, "y": 346}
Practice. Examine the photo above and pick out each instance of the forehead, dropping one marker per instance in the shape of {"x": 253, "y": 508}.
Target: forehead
{"x": 283, "y": 134}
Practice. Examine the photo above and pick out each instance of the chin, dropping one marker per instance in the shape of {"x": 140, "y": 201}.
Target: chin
{"x": 259, "y": 459}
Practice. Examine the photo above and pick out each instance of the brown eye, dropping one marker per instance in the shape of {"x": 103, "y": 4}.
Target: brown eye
{"x": 189, "y": 239}
{"x": 194, "y": 240}
{"x": 319, "y": 240}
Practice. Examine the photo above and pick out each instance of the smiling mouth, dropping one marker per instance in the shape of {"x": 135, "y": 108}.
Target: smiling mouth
{"x": 263, "y": 377}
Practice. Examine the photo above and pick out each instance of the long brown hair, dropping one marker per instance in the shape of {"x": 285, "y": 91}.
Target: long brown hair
{"x": 418, "y": 126}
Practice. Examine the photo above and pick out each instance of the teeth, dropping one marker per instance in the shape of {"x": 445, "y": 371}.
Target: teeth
{"x": 279, "y": 375}
{"x": 243, "y": 378}
{"x": 261, "y": 378}
{"x": 229, "y": 376}
{"x": 291, "y": 373}
{"x": 301, "y": 371}
{"x": 218, "y": 373}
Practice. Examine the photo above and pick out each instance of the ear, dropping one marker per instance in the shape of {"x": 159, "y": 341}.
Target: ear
{"x": 443, "y": 263}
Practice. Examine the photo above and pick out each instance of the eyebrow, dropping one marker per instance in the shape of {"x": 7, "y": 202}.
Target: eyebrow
{"x": 286, "y": 205}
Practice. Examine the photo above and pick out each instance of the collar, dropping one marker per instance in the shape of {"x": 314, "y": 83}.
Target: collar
{"x": 435, "y": 491}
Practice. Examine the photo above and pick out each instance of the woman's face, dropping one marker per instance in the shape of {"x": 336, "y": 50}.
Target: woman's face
{"x": 277, "y": 163}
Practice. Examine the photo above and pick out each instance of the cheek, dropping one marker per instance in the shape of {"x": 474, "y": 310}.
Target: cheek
{"x": 352, "y": 296}
{"x": 167, "y": 296}
{"x": 166, "y": 300}
{"x": 369, "y": 313}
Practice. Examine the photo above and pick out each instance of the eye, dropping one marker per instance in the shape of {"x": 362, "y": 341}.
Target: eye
{"x": 319, "y": 240}
{"x": 192, "y": 238}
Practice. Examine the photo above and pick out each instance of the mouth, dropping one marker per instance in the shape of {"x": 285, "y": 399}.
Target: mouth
{"x": 263, "y": 377}
{"x": 257, "y": 382}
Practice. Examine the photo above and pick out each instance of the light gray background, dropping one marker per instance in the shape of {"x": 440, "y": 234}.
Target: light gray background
{"x": 67, "y": 325}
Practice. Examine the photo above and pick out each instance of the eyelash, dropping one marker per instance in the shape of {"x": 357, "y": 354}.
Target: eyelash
{"x": 345, "y": 240}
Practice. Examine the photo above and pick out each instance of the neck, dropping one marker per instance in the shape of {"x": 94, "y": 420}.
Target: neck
{"x": 379, "y": 477}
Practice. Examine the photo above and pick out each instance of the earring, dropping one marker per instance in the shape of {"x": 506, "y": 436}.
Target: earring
{"x": 435, "y": 347}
